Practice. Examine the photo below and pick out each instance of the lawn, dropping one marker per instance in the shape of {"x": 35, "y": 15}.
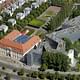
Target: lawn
{"x": 36, "y": 23}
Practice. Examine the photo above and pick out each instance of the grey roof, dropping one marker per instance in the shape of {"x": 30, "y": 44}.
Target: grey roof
{"x": 3, "y": 27}
{"x": 12, "y": 20}
{"x": 19, "y": 14}
{"x": 73, "y": 22}
{"x": 73, "y": 33}
{"x": 27, "y": 9}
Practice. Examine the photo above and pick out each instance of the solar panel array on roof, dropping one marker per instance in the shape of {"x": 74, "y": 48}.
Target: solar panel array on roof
{"x": 22, "y": 39}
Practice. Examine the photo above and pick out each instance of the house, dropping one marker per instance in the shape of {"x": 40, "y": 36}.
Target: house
{"x": 13, "y": 7}
{"x": 16, "y": 45}
{"x": 20, "y": 16}
{"x": 34, "y": 5}
{"x": 3, "y": 28}
{"x": 12, "y": 21}
{"x": 27, "y": 11}
{"x": 7, "y": 11}
{"x": 20, "y": 2}
{"x": 40, "y": 1}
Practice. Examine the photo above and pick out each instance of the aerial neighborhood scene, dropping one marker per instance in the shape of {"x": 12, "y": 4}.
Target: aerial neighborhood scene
{"x": 39, "y": 39}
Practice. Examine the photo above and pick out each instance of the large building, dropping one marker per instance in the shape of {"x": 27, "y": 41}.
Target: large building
{"x": 70, "y": 29}
{"x": 16, "y": 45}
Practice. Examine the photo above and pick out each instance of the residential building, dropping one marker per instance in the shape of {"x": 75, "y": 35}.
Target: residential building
{"x": 41, "y": 1}
{"x": 20, "y": 16}
{"x": 20, "y": 2}
{"x": 13, "y": 7}
{"x": 12, "y": 21}
{"x": 16, "y": 45}
{"x": 34, "y": 5}
{"x": 27, "y": 11}
{"x": 4, "y": 28}
{"x": 7, "y": 11}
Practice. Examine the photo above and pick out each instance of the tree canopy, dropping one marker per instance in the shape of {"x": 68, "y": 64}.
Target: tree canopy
{"x": 56, "y": 61}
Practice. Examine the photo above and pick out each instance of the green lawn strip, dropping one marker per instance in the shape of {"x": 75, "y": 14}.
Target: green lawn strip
{"x": 31, "y": 31}
{"x": 36, "y": 22}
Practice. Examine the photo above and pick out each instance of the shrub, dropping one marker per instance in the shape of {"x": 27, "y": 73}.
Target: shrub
{"x": 14, "y": 70}
{"x": 34, "y": 74}
{"x": 3, "y": 68}
{"x": 41, "y": 75}
{"x": 21, "y": 72}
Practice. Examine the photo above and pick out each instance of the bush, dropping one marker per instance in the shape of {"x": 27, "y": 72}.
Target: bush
{"x": 21, "y": 72}
{"x": 49, "y": 76}
{"x": 3, "y": 68}
{"x": 43, "y": 67}
{"x": 28, "y": 75}
{"x": 14, "y": 70}
{"x": 41, "y": 75}
{"x": 34, "y": 74}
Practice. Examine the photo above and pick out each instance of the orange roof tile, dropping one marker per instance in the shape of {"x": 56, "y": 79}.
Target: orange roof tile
{"x": 19, "y": 47}
{"x": 12, "y": 35}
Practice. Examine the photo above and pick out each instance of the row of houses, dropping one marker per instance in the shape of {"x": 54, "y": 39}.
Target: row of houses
{"x": 10, "y": 9}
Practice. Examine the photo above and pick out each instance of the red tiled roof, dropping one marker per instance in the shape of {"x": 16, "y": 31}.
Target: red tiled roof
{"x": 12, "y": 35}
{"x": 8, "y": 42}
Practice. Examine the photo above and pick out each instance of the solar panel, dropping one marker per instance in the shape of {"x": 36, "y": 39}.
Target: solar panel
{"x": 22, "y": 39}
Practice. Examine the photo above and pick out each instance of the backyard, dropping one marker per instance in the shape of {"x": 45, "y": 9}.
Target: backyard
{"x": 51, "y": 11}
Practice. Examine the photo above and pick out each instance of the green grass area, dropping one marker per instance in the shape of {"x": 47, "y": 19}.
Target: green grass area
{"x": 36, "y": 22}
{"x": 31, "y": 31}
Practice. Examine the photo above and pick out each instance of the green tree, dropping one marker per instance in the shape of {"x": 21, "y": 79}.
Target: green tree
{"x": 68, "y": 43}
{"x": 41, "y": 75}
{"x": 34, "y": 74}
{"x": 56, "y": 61}
{"x": 21, "y": 72}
